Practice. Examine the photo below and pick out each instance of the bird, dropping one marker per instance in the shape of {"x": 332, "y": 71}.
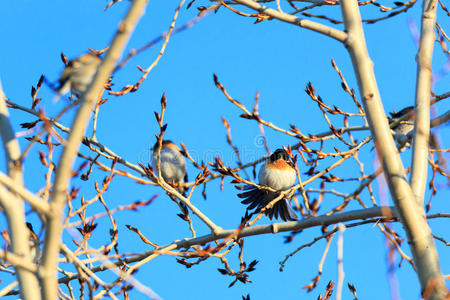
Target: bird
{"x": 172, "y": 162}
{"x": 279, "y": 174}
{"x": 34, "y": 243}
{"x": 402, "y": 129}
{"x": 78, "y": 74}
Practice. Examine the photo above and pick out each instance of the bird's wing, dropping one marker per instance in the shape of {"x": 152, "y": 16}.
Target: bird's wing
{"x": 258, "y": 199}
{"x": 284, "y": 210}
{"x": 244, "y": 187}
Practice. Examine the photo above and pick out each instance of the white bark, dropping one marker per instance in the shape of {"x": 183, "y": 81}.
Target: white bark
{"x": 411, "y": 214}
{"x": 421, "y": 138}
{"x": 14, "y": 206}
{"x": 64, "y": 169}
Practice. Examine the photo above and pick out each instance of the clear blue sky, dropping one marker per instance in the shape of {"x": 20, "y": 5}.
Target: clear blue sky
{"x": 273, "y": 58}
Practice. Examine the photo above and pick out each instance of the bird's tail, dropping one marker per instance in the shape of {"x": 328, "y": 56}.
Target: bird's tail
{"x": 258, "y": 199}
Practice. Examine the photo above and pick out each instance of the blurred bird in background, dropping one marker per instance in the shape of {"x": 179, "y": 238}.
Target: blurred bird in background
{"x": 33, "y": 241}
{"x": 173, "y": 164}
{"x": 78, "y": 74}
{"x": 35, "y": 244}
{"x": 403, "y": 132}
{"x": 279, "y": 174}
{"x": 403, "y": 128}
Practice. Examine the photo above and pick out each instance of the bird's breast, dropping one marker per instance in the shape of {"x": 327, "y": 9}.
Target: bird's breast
{"x": 173, "y": 166}
{"x": 278, "y": 179}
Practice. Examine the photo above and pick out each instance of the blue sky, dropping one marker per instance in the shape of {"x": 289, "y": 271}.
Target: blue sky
{"x": 273, "y": 58}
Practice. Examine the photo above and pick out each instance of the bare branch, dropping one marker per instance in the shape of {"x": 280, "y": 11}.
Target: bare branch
{"x": 422, "y": 108}
{"x": 71, "y": 256}
{"x": 340, "y": 259}
{"x": 64, "y": 169}
{"x": 323, "y": 29}
{"x": 10, "y": 143}
{"x": 38, "y": 204}
{"x": 323, "y": 220}
{"x": 411, "y": 215}
{"x": 14, "y": 206}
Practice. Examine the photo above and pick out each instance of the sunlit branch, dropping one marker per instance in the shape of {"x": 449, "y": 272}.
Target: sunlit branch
{"x": 422, "y": 106}
{"x": 63, "y": 171}
{"x": 389, "y": 213}
{"x": 323, "y": 29}
{"x": 412, "y": 217}
{"x": 13, "y": 206}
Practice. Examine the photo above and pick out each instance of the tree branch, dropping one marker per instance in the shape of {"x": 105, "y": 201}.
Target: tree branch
{"x": 320, "y": 28}
{"x": 10, "y": 143}
{"x": 64, "y": 169}
{"x": 411, "y": 215}
{"x": 421, "y": 137}
{"x": 13, "y": 205}
{"x": 36, "y": 203}
{"x": 323, "y": 220}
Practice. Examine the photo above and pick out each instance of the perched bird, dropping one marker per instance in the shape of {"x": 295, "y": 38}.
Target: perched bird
{"x": 173, "y": 165}
{"x": 279, "y": 174}
{"x": 34, "y": 244}
{"x": 78, "y": 74}
{"x": 405, "y": 126}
